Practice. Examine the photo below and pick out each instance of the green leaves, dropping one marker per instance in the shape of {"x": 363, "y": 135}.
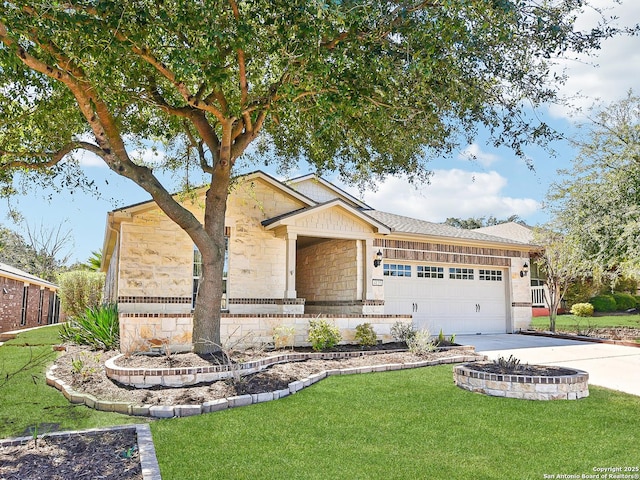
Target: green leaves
{"x": 598, "y": 203}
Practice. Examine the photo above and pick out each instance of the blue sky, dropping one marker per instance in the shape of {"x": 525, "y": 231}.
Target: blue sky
{"x": 495, "y": 183}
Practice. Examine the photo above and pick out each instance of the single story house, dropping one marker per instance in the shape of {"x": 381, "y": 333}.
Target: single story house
{"x": 27, "y": 301}
{"x": 302, "y": 249}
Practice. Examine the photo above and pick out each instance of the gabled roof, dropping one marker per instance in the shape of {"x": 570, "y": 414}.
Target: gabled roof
{"x": 14, "y": 273}
{"x": 338, "y": 192}
{"x": 288, "y": 218}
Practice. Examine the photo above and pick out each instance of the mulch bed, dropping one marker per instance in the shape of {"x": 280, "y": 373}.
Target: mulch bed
{"x": 92, "y": 456}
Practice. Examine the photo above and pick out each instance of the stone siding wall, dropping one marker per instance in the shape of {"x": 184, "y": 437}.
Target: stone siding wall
{"x": 521, "y": 295}
{"x": 141, "y": 332}
{"x": 327, "y": 271}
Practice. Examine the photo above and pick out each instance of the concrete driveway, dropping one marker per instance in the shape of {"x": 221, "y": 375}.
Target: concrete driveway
{"x": 611, "y": 366}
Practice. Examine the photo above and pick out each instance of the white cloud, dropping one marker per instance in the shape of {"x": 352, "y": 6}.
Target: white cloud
{"x": 474, "y": 152}
{"x": 452, "y": 193}
{"x": 88, "y": 159}
{"x": 614, "y": 69}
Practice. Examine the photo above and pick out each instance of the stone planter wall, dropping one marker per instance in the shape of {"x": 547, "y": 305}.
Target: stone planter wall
{"x": 527, "y": 387}
{"x": 185, "y": 376}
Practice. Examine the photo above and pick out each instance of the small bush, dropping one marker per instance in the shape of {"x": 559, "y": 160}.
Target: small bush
{"x": 603, "y": 303}
{"x": 365, "y": 335}
{"x": 402, "y": 332}
{"x": 80, "y": 290}
{"x": 323, "y": 335}
{"x": 508, "y": 365}
{"x": 98, "y": 327}
{"x": 283, "y": 336}
{"x": 582, "y": 309}
{"x": 420, "y": 343}
{"x": 624, "y": 301}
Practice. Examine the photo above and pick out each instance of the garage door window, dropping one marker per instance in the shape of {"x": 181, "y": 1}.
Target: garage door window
{"x": 490, "y": 275}
{"x": 461, "y": 273}
{"x": 393, "y": 270}
{"x": 426, "y": 271}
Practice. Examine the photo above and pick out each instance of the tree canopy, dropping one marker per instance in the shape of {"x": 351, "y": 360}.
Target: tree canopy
{"x": 597, "y": 205}
{"x": 479, "y": 222}
{"x": 365, "y": 88}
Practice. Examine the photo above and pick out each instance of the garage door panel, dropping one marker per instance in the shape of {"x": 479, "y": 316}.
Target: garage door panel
{"x": 455, "y": 305}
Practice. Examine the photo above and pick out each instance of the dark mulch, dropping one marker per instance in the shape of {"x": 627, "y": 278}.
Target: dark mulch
{"x": 109, "y": 455}
{"x": 534, "y": 370}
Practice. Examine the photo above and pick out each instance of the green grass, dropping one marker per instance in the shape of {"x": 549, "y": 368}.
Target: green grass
{"x": 570, "y": 322}
{"x": 399, "y": 425}
{"x": 26, "y": 400}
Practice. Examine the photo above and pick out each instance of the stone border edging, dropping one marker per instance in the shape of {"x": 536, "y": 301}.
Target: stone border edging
{"x": 170, "y": 411}
{"x": 148, "y": 459}
{"x": 578, "y": 338}
{"x": 186, "y": 376}
{"x": 572, "y": 386}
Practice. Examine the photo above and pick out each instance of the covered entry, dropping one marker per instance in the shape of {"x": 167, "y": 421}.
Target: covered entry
{"x": 457, "y": 299}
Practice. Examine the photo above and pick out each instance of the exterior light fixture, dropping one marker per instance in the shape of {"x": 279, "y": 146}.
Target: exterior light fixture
{"x": 525, "y": 270}
{"x": 378, "y": 259}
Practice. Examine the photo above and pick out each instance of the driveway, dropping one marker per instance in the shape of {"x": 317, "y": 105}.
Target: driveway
{"x": 611, "y": 366}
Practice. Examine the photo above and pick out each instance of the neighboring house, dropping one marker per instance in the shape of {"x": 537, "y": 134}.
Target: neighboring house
{"x": 523, "y": 233}
{"x": 304, "y": 248}
{"x": 27, "y": 301}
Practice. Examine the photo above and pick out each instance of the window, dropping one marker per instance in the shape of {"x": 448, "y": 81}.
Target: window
{"x": 426, "y": 271}
{"x": 40, "y": 303}
{"x": 461, "y": 273}
{"x": 197, "y": 273}
{"x": 392, "y": 270}
{"x": 490, "y": 275}
{"x": 25, "y": 302}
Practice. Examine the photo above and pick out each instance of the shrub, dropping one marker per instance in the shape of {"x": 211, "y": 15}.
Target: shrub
{"x": 283, "y": 336}
{"x": 420, "y": 343}
{"x": 624, "y": 301}
{"x": 80, "y": 290}
{"x": 99, "y": 328}
{"x": 365, "y": 335}
{"x": 323, "y": 335}
{"x": 603, "y": 303}
{"x": 402, "y": 332}
{"x": 508, "y": 365}
{"x": 582, "y": 309}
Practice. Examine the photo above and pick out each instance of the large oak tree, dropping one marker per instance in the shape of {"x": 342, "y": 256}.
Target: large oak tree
{"x": 365, "y": 88}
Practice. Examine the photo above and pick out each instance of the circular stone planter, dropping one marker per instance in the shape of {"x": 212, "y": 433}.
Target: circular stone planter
{"x": 570, "y": 384}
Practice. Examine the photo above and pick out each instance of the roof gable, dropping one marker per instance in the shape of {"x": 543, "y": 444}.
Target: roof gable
{"x": 320, "y": 190}
{"x": 326, "y": 217}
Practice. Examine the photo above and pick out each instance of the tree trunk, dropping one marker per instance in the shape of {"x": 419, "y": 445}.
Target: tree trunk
{"x": 206, "y": 316}
{"x": 553, "y": 303}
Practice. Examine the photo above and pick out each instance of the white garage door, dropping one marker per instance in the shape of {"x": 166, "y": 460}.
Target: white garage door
{"x": 460, "y": 300}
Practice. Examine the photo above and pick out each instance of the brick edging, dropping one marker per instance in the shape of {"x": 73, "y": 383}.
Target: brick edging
{"x": 170, "y": 411}
{"x": 148, "y": 458}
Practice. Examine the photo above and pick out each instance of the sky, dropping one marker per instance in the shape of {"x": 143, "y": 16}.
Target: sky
{"x": 478, "y": 181}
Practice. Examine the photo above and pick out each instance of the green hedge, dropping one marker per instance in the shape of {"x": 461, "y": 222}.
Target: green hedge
{"x": 624, "y": 301}
{"x": 603, "y": 303}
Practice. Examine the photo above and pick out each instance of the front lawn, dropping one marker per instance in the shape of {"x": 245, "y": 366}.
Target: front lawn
{"x": 405, "y": 424}
{"x": 26, "y": 400}
{"x": 571, "y": 323}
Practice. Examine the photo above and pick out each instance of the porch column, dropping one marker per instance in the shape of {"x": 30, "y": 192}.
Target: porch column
{"x": 292, "y": 240}
{"x": 368, "y": 270}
